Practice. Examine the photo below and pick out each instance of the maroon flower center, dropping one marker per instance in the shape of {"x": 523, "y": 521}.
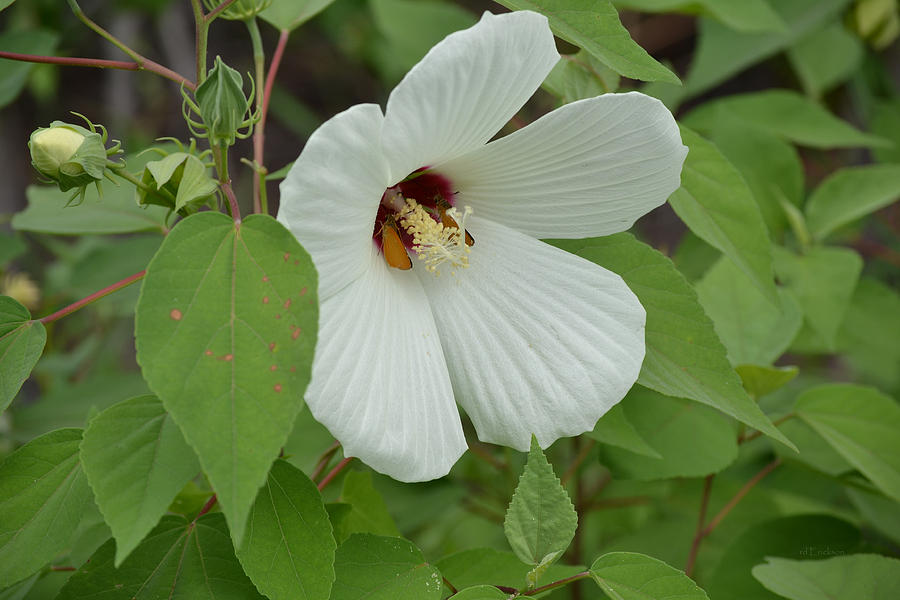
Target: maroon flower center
{"x": 432, "y": 191}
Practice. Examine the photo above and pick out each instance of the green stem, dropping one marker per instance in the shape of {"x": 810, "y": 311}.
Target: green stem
{"x": 132, "y": 178}
{"x": 218, "y": 10}
{"x": 202, "y": 34}
{"x": 259, "y": 61}
{"x": 76, "y": 10}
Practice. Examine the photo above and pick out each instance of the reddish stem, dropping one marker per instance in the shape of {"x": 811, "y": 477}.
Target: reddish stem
{"x": 99, "y": 63}
{"x": 217, "y": 10}
{"x": 698, "y": 534}
{"x": 63, "y": 569}
{"x": 334, "y": 473}
{"x": 324, "y": 459}
{"x": 232, "y": 202}
{"x": 582, "y": 455}
{"x": 746, "y": 437}
{"x": 556, "y": 584}
{"x": 93, "y": 297}
{"x": 740, "y": 496}
{"x": 206, "y": 507}
{"x": 259, "y": 133}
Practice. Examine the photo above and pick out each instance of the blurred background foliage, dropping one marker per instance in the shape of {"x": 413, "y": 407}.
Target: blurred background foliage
{"x": 839, "y": 54}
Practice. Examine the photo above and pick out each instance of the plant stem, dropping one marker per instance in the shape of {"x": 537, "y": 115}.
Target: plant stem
{"x": 334, "y": 473}
{"x": 259, "y": 134}
{"x": 740, "y": 496}
{"x": 93, "y": 297}
{"x": 232, "y": 201}
{"x": 99, "y": 63}
{"x": 450, "y": 586}
{"x": 556, "y": 584}
{"x": 698, "y": 534}
{"x": 201, "y": 29}
{"x": 579, "y": 458}
{"x": 259, "y": 63}
{"x": 132, "y": 178}
{"x": 324, "y": 459}
{"x": 206, "y": 507}
{"x": 746, "y": 437}
{"x": 218, "y": 10}
{"x": 63, "y": 569}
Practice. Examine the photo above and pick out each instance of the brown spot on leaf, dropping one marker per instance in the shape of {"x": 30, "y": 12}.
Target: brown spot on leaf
{"x": 293, "y": 369}
{"x": 295, "y": 333}
{"x": 208, "y": 353}
{"x": 278, "y": 316}
{"x": 303, "y": 291}
{"x": 286, "y": 256}
{"x": 287, "y": 303}
{"x": 227, "y": 357}
{"x": 273, "y": 368}
{"x": 272, "y": 347}
{"x": 175, "y": 314}
{"x": 297, "y": 261}
{"x": 265, "y": 278}
{"x": 265, "y": 299}
{"x": 277, "y": 387}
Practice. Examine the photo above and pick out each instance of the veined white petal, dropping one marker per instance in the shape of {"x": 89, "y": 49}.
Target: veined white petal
{"x": 465, "y": 89}
{"x": 331, "y": 194}
{"x": 380, "y": 382}
{"x": 537, "y": 340}
{"x": 589, "y": 168}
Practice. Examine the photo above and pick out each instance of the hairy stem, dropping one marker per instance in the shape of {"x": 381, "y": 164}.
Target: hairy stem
{"x": 93, "y": 297}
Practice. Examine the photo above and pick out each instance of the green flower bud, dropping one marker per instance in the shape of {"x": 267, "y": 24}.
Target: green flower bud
{"x": 222, "y": 104}
{"x": 240, "y": 10}
{"x": 179, "y": 182}
{"x": 70, "y": 155}
{"x": 877, "y": 21}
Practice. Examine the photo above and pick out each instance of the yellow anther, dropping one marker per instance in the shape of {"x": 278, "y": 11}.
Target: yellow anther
{"x": 434, "y": 242}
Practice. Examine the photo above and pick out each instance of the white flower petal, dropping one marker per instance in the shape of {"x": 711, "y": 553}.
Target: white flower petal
{"x": 380, "y": 382}
{"x": 589, "y": 168}
{"x": 537, "y": 340}
{"x": 331, "y": 194}
{"x": 465, "y": 89}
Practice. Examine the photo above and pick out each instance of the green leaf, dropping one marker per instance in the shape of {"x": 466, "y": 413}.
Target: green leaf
{"x": 481, "y": 592}
{"x": 860, "y": 423}
{"x": 5, "y": 3}
{"x": 826, "y": 58}
{"x": 594, "y": 26}
{"x": 760, "y": 380}
{"x": 740, "y": 15}
{"x": 722, "y": 52}
{"x": 369, "y": 513}
{"x": 178, "y": 560}
{"x": 225, "y": 331}
{"x": 803, "y": 536}
{"x": 886, "y": 123}
{"x": 136, "y": 461}
{"x": 878, "y": 512}
{"x": 857, "y": 576}
{"x": 770, "y": 166}
{"x": 752, "y": 329}
{"x": 579, "y": 76}
{"x": 11, "y": 247}
{"x": 288, "y": 549}
{"x": 21, "y": 344}
{"x": 42, "y": 495}
{"x": 786, "y": 114}
{"x": 410, "y": 28}
{"x": 631, "y": 576}
{"x": 849, "y": 194}
{"x": 822, "y": 281}
{"x": 690, "y": 439}
{"x": 684, "y": 357}
{"x": 115, "y": 212}
{"x": 812, "y": 449}
{"x": 488, "y": 566}
{"x": 868, "y": 335}
{"x": 383, "y": 568}
{"x": 615, "y": 429}
{"x": 540, "y": 521}
{"x": 291, "y": 14}
{"x": 716, "y": 204}
{"x": 14, "y": 73}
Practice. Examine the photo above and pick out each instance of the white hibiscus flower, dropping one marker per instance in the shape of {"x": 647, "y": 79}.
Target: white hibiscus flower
{"x": 525, "y": 337}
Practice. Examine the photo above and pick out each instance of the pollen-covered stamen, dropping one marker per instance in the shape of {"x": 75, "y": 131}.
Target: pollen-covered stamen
{"x": 433, "y": 242}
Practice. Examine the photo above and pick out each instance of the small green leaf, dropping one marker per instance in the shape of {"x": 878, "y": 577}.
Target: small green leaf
{"x": 716, "y": 204}
{"x": 21, "y": 344}
{"x": 179, "y": 559}
{"x": 753, "y": 330}
{"x": 822, "y": 281}
{"x": 860, "y": 423}
{"x": 136, "y": 461}
{"x": 481, "y": 592}
{"x": 383, "y": 568}
{"x": 684, "y": 357}
{"x": 225, "y": 330}
{"x": 849, "y": 194}
{"x": 291, "y": 14}
{"x": 856, "y": 576}
{"x": 369, "y": 513}
{"x": 812, "y": 449}
{"x": 615, "y": 429}
{"x": 631, "y": 576}
{"x": 761, "y": 380}
{"x": 288, "y": 550}
{"x": 14, "y": 73}
{"x": 741, "y": 15}
{"x": 594, "y": 26}
{"x": 483, "y": 566}
{"x": 43, "y": 493}
{"x": 5, "y": 3}
{"x": 826, "y": 58}
{"x": 579, "y": 76}
{"x": 868, "y": 335}
{"x": 540, "y": 521}
{"x": 691, "y": 440}
{"x": 802, "y": 536}
{"x": 786, "y": 114}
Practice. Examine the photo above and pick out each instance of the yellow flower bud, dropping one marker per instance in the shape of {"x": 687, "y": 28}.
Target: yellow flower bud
{"x": 52, "y": 147}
